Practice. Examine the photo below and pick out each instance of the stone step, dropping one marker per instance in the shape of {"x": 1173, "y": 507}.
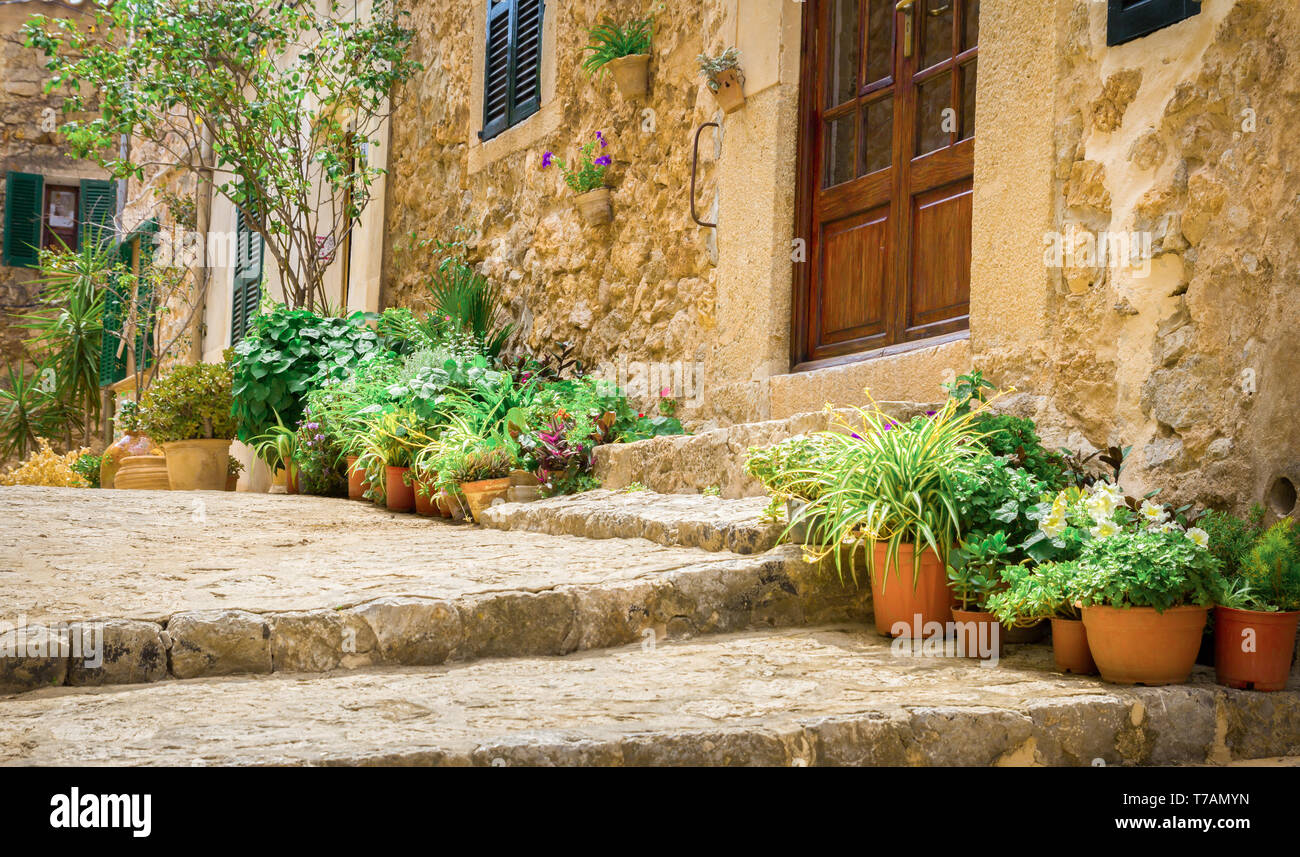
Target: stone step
{"x": 823, "y": 696}
{"x": 675, "y": 520}
{"x": 307, "y": 584}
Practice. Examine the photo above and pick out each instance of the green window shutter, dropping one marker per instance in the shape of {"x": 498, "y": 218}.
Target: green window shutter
{"x": 112, "y": 368}
{"x": 1127, "y": 20}
{"x": 246, "y": 292}
{"x": 22, "y": 237}
{"x": 98, "y": 205}
{"x": 513, "y": 65}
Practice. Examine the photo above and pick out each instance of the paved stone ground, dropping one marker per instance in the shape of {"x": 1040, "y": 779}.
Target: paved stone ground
{"x": 792, "y": 697}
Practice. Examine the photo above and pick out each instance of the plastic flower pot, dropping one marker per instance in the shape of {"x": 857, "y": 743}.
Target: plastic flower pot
{"x": 291, "y": 480}
{"x": 1253, "y": 648}
{"x": 1070, "y": 647}
{"x": 1137, "y": 645}
{"x": 486, "y": 492}
{"x": 197, "y": 465}
{"x": 898, "y": 597}
{"x": 730, "y": 93}
{"x": 979, "y": 634}
{"x": 595, "y": 206}
{"x": 631, "y": 75}
{"x": 424, "y": 504}
{"x": 356, "y": 480}
{"x": 398, "y": 496}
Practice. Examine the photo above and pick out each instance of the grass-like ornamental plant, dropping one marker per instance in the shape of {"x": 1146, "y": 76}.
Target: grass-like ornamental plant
{"x": 890, "y": 483}
{"x": 610, "y": 40}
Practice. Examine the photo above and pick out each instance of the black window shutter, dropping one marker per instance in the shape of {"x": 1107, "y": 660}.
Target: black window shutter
{"x": 1132, "y": 19}
{"x": 246, "y": 293}
{"x": 98, "y": 205}
{"x": 512, "y": 89}
{"x": 22, "y": 223}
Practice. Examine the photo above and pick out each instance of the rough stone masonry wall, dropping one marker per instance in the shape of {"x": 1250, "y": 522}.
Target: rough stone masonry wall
{"x": 643, "y": 287}
{"x": 1187, "y": 134}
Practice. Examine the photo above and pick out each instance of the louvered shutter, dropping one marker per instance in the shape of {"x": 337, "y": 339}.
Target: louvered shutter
{"x": 22, "y": 223}
{"x": 1132, "y": 19}
{"x": 246, "y": 293}
{"x": 513, "y": 64}
{"x": 97, "y": 206}
{"x": 112, "y": 367}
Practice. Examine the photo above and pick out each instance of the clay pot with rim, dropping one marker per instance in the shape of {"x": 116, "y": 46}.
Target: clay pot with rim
{"x": 596, "y": 206}
{"x": 142, "y": 473}
{"x": 898, "y": 597}
{"x": 198, "y": 465}
{"x": 730, "y": 93}
{"x": 1271, "y": 638}
{"x": 484, "y": 493}
{"x": 424, "y": 503}
{"x": 129, "y": 444}
{"x": 979, "y": 633}
{"x": 232, "y": 481}
{"x": 398, "y": 496}
{"x": 631, "y": 74}
{"x": 1137, "y": 645}
{"x": 1070, "y": 647}
{"x": 356, "y": 480}
{"x": 291, "y": 480}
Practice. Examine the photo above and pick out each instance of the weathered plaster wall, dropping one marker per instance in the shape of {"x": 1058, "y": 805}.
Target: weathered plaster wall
{"x": 652, "y": 286}
{"x": 1187, "y": 136}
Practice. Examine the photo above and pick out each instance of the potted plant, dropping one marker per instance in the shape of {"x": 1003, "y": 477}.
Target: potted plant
{"x": 133, "y": 443}
{"x": 188, "y": 411}
{"x": 393, "y": 439}
{"x": 723, "y": 77}
{"x": 1032, "y": 595}
{"x": 975, "y": 575}
{"x": 624, "y": 51}
{"x": 888, "y": 487}
{"x": 791, "y": 471}
{"x": 1259, "y": 608}
{"x": 234, "y": 467}
{"x": 1144, "y": 582}
{"x": 587, "y": 180}
{"x": 277, "y": 447}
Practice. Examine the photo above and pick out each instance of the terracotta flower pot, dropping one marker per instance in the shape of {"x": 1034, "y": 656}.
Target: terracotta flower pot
{"x": 197, "y": 465}
{"x": 398, "y": 496}
{"x": 897, "y": 597}
{"x": 356, "y": 480}
{"x": 142, "y": 473}
{"x": 595, "y": 206}
{"x": 731, "y": 90}
{"x": 1253, "y": 648}
{"x": 1137, "y": 645}
{"x": 232, "y": 481}
{"x": 631, "y": 75}
{"x": 129, "y": 444}
{"x": 979, "y": 634}
{"x": 1070, "y": 647}
{"x": 486, "y": 492}
{"x": 1019, "y": 635}
{"x": 291, "y": 480}
{"x": 424, "y": 504}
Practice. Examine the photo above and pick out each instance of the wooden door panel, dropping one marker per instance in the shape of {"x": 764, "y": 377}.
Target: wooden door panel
{"x": 941, "y": 241}
{"x": 854, "y": 257}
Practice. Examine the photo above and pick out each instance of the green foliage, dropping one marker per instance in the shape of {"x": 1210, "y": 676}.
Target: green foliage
{"x": 711, "y": 67}
{"x": 1268, "y": 575}
{"x": 288, "y": 95}
{"x": 1144, "y": 568}
{"x": 26, "y": 410}
{"x": 992, "y": 496}
{"x": 276, "y": 446}
{"x": 793, "y": 468}
{"x": 189, "y": 403}
{"x": 87, "y": 467}
{"x": 968, "y": 392}
{"x": 975, "y": 569}
{"x": 610, "y": 40}
{"x": 286, "y": 354}
{"x": 1032, "y": 594}
{"x": 468, "y": 303}
{"x": 1232, "y": 538}
{"x": 1016, "y": 440}
{"x": 588, "y": 172}
{"x": 234, "y": 466}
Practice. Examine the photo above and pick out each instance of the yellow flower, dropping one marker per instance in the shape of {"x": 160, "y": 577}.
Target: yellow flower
{"x": 1104, "y": 530}
{"x": 1199, "y": 537}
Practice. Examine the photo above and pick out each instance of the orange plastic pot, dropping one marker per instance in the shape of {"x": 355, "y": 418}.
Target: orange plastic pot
{"x": 1252, "y": 648}
{"x": 398, "y": 496}
{"x": 897, "y": 597}
{"x": 291, "y": 480}
{"x": 424, "y": 502}
{"x": 356, "y": 480}
{"x": 1070, "y": 647}
{"x": 979, "y": 634}
{"x": 1137, "y": 645}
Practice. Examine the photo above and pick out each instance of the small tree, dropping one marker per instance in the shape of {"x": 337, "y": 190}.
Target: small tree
{"x": 274, "y": 104}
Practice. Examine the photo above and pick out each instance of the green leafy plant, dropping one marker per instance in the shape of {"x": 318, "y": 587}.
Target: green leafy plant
{"x": 469, "y": 303}
{"x": 1268, "y": 575}
{"x": 610, "y": 40}
{"x": 191, "y": 402}
{"x": 792, "y": 469}
{"x": 588, "y": 172}
{"x": 234, "y": 466}
{"x": 87, "y": 467}
{"x": 27, "y": 410}
{"x": 1032, "y": 594}
{"x": 975, "y": 569}
{"x": 277, "y": 446}
{"x": 1144, "y": 568}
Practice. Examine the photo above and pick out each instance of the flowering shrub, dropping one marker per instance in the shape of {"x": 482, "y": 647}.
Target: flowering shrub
{"x": 319, "y": 459}
{"x": 47, "y": 468}
{"x": 589, "y": 172}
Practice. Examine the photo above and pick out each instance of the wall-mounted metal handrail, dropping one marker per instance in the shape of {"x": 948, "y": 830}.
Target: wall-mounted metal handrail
{"x": 695, "y": 165}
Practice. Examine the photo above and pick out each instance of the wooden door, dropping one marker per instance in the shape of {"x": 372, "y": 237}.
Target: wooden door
{"x": 886, "y": 155}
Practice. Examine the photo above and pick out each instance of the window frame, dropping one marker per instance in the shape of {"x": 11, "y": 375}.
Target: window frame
{"x": 515, "y": 111}
{"x": 1146, "y": 17}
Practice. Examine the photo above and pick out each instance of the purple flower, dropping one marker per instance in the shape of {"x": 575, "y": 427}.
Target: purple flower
{"x": 855, "y": 435}
{"x": 929, "y": 413}
{"x": 546, "y": 159}
{"x": 603, "y": 161}
{"x": 320, "y": 437}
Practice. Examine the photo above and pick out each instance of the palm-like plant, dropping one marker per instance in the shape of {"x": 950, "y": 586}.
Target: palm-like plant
{"x": 610, "y": 40}
{"x": 26, "y": 410}
{"x": 469, "y": 301}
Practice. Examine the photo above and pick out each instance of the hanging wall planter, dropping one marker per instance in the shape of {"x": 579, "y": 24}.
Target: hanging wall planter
{"x": 624, "y": 51}
{"x": 631, "y": 75}
{"x": 595, "y": 206}
{"x": 586, "y": 178}
{"x": 724, "y": 78}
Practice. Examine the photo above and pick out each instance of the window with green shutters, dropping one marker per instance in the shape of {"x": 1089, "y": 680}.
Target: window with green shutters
{"x": 22, "y": 224}
{"x": 98, "y": 205}
{"x": 246, "y": 293}
{"x": 513, "y": 67}
{"x": 1127, "y": 20}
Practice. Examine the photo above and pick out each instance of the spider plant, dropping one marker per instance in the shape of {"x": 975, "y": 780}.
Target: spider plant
{"x": 277, "y": 446}
{"x": 889, "y": 483}
{"x": 609, "y": 40}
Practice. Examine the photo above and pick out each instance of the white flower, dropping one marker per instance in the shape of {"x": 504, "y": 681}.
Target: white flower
{"x": 1104, "y": 530}
{"x": 1053, "y": 525}
{"x": 1154, "y": 514}
{"x": 1199, "y": 537}
{"x": 1101, "y": 505}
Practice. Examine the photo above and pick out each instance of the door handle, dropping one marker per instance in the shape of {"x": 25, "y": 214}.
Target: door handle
{"x": 907, "y": 8}
{"x": 695, "y": 166}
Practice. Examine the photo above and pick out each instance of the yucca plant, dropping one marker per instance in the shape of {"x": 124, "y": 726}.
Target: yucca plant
{"x": 609, "y": 40}
{"x": 883, "y": 482}
{"x": 27, "y": 410}
{"x": 470, "y": 302}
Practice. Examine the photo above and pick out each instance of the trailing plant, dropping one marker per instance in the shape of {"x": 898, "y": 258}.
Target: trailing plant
{"x": 711, "y": 67}
{"x": 1033, "y": 594}
{"x": 588, "y": 172}
{"x": 610, "y": 40}
{"x": 191, "y": 402}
